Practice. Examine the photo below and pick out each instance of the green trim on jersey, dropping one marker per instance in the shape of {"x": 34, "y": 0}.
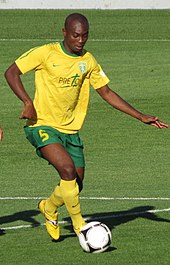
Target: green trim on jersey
{"x": 65, "y": 51}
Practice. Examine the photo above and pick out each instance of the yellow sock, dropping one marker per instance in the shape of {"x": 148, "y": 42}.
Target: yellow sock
{"x": 70, "y": 194}
{"x": 54, "y": 201}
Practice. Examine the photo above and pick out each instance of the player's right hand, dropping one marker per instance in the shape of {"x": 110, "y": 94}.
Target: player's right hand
{"x": 28, "y": 112}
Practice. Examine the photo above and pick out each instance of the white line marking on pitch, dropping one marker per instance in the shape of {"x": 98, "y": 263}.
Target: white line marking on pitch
{"x": 96, "y": 198}
{"x": 125, "y": 198}
{"x": 21, "y": 198}
{"x": 102, "y": 217}
{"x": 93, "y": 40}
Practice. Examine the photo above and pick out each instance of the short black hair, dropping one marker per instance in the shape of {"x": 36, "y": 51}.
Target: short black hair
{"x": 75, "y": 17}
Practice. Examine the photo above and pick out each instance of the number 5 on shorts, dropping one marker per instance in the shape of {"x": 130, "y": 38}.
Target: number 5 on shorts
{"x": 44, "y": 135}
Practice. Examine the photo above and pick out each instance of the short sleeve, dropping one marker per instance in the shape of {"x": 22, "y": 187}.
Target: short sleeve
{"x": 31, "y": 59}
{"x": 98, "y": 78}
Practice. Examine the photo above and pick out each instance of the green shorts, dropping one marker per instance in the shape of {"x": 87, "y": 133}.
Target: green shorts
{"x": 43, "y": 135}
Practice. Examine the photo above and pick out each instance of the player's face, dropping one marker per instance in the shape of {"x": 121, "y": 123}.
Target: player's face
{"x": 75, "y": 37}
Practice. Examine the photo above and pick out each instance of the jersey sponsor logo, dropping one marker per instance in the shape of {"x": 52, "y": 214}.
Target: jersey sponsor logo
{"x": 73, "y": 81}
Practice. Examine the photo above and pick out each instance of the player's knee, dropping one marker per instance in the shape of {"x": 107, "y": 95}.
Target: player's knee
{"x": 68, "y": 173}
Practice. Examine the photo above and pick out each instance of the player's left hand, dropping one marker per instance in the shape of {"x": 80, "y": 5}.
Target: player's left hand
{"x": 154, "y": 121}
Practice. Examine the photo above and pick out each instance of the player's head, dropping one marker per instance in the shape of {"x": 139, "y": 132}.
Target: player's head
{"x": 75, "y": 32}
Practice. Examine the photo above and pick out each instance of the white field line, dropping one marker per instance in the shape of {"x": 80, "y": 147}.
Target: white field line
{"x": 96, "y": 198}
{"x": 126, "y": 198}
{"x": 96, "y": 218}
{"x": 92, "y": 40}
{"x": 21, "y": 198}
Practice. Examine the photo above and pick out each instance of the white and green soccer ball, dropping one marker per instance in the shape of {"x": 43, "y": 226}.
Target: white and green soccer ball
{"x": 95, "y": 237}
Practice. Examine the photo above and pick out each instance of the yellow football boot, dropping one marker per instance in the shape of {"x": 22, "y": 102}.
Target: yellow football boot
{"x": 78, "y": 229}
{"x": 51, "y": 221}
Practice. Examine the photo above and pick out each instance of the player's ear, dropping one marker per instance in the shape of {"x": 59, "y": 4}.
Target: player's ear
{"x": 64, "y": 32}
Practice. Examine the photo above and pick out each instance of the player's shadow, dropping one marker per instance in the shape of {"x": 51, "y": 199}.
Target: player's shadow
{"x": 111, "y": 219}
{"x": 26, "y": 216}
{"x": 114, "y": 219}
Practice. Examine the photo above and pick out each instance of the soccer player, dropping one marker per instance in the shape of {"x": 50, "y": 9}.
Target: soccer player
{"x": 64, "y": 72}
{"x": 1, "y": 134}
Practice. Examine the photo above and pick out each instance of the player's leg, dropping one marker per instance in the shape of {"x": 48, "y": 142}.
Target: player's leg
{"x": 56, "y": 155}
{"x": 80, "y": 177}
{"x": 55, "y": 200}
{"x": 44, "y": 139}
{"x": 74, "y": 147}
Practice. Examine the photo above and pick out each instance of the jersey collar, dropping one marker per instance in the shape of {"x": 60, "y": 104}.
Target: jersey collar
{"x": 69, "y": 53}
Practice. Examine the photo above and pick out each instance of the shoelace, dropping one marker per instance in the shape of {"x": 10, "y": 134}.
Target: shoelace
{"x": 53, "y": 222}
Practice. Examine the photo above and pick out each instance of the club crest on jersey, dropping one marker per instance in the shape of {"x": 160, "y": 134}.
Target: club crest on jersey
{"x": 82, "y": 67}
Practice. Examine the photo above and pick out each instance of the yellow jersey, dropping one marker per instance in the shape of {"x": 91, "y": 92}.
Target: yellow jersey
{"x": 62, "y": 84}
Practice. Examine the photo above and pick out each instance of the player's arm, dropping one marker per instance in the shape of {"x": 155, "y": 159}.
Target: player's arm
{"x": 1, "y": 134}
{"x": 13, "y": 78}
{"x": 117, "y": 102}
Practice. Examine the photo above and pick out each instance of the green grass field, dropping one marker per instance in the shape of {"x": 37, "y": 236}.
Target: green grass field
{"x": 127, "y": 184}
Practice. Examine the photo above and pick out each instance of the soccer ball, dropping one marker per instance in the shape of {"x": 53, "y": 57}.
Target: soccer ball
{"x": 95, "y": 237}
